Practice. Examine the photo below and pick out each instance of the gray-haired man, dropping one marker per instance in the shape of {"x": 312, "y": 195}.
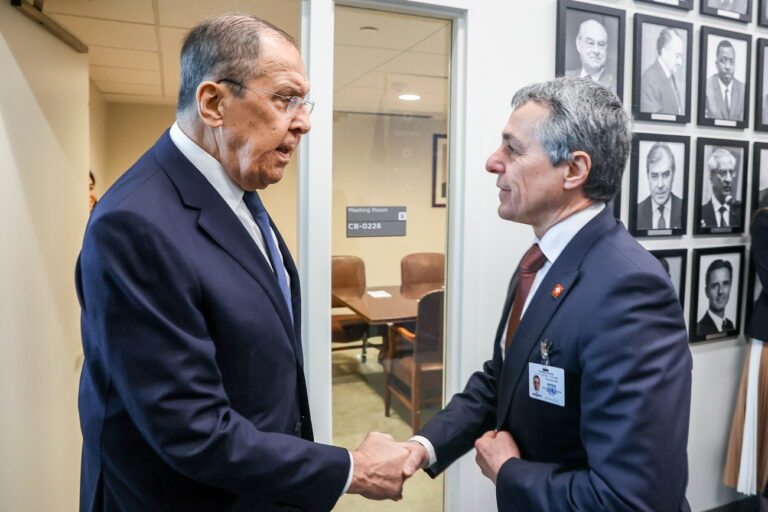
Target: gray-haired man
{"x": 591, "y": 313}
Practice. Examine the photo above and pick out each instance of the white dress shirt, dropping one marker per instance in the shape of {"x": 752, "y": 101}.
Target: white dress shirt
{"x": 716, "y": 319}
{"x": 232, "y": 194}
{"x": 726, "y": 213}
{"x": 727, "y": 93}
{"x": 595, "y": 78}
{"x": 551, "y": 244}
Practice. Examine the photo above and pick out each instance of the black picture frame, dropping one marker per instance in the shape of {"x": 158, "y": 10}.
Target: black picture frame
{"x": 699, "y": 327}
{"x": 653, "y": 94}
{"x": 761, "y": 82}
{"x": 762, "y": 13}
{"x": 685, "y": 5}
{"x": 759, "y": 196}
{"x": 676, "y": 271}
{"x": 570, "y": 15}
{"x": 439, "y": 170}
{"x": 703, "y": 223}
{"x": 641, "y": 217}
{"x": 707, "y": 7}
{"x": 711, "y": 111}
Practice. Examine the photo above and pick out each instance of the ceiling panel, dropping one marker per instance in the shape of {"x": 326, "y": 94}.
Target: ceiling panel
{"x": 188, "y": 13}
{"x": 395, "y": 31}
{"x": 114, "y": 34}
{"x": 129, "y": 76}
{"x": 352, "y": 62}
{"x": 137, "y": 11}
{"x": 134, "y": 59}
{"x": 439, "y": 42}
{"x": 361, "y": 99}
{"x": 170, "y": 46}
{"x": 123, "y": 88}
{"x": 429, "y": 64}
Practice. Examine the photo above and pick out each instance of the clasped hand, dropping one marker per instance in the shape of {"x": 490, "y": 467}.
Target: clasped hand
{"x": 382, "y": 465}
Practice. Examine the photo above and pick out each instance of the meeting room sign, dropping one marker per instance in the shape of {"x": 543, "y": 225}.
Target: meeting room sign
{"x": 376, "y": 221}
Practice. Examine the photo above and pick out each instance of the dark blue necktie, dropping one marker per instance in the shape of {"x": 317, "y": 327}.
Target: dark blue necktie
{"x": 254, "y": 204}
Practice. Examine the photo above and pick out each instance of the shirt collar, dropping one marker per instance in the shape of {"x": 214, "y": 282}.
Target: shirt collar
{"x": 667, "y": 72}
{"x": 208, "y": 166}
{"x": 595, "y": 78}
{"x": 716, "y": 319}
{"x": 723, "y": 86}
{"x": 558, "y": 236}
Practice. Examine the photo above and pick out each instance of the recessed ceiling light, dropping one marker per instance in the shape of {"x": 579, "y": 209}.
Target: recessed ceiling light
{"x": 369, "y": 28}
{"x": 409, "y": 97}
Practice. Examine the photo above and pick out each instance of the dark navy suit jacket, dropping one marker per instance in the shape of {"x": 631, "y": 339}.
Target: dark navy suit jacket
{"x": 617, "y": 330}
{"x": 758, "y": 322}
{"x": 192, "y": 394}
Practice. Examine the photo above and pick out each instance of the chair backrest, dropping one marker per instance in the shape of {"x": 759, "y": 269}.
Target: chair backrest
{"x": 347, "y": 277}
{"x": 428, "y": 347}
{"x": 423, "y": 268}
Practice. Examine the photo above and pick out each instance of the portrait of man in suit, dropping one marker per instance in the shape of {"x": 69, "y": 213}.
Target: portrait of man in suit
{"x": 662, "y": 85}
{"x": 717, "y": 288}
{"x": 592, "y": 46}
{"x": 737, "y": 6}
{"x": 724, "y": 92}
{"x": 192, "y": 392}
{"x": 761, "y": 180}
{"x": 556, "y": 169}
{"x": 723, "y": 209}
{"x": 662, "y": 209}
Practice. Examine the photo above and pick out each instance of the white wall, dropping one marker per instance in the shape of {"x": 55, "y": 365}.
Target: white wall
{"x": 97, "y": 113}
{"x": 44, "y": 161}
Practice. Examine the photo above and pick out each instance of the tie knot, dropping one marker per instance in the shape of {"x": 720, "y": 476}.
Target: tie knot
{"x": 722, "y": 209}
{"x": 533, "y": 259}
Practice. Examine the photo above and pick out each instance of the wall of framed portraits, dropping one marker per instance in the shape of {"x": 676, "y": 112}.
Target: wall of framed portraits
{"x": 693, "y": 75}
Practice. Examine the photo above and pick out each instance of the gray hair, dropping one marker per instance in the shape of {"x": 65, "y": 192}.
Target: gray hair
{"x": 583, "y": 116}
{"x": 721, "y": 158}
{"x": 657, "y": 152}
{"x": 223, "y": 47}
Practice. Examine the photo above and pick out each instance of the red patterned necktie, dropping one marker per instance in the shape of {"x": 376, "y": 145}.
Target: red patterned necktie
{"x": 533, "y": 260}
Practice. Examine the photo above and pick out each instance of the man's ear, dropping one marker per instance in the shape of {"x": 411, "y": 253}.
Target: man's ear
{"x": 209, "y": 98}
{"x": 577, "y": 171}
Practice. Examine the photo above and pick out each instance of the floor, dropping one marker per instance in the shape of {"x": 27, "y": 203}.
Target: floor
{"x": 358, "y": 408}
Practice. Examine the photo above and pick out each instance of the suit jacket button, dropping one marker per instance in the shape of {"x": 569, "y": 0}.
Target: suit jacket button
{"x": 297, "y": 428}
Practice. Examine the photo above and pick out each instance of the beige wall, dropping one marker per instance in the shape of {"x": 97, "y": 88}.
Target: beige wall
{"x": 386, "y": 161}
{"x": 44, "y": 160}
{"x": 97, "y": 110}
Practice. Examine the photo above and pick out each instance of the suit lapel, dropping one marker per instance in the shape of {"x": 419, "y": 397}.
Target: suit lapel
{"x": 222, "y": 225}
{"x": 543, "y": 306}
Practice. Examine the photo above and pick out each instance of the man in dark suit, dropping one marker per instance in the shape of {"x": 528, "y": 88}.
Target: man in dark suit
{"x": 718, "y": 290}
{"x": 192, "y": 395}
{"x": 591, "y": 313}
{"x": 659, "y": 90}
{"x": 722, "y": 209}
{"x": 725, "y": 94}
{"x": 661, "y": 209}
{"x": 592, "y": 47}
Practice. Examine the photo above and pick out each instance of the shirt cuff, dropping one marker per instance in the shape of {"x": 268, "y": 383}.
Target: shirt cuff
{"x": 351, "y": 471}
{"x": 423, "y": 441}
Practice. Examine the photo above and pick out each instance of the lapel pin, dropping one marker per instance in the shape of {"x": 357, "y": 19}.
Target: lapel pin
{"x": 557, "y": 290}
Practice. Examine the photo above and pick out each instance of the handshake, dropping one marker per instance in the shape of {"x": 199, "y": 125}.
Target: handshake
{"x": 382, "y": 465}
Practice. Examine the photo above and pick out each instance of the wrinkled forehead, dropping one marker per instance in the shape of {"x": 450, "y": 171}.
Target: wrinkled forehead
{"x": 591, "y": 29}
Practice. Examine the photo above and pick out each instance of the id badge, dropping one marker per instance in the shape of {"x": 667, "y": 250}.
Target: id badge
{"x": 546, "y": 383}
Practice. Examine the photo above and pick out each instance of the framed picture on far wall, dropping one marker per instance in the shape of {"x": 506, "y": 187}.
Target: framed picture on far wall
{"x": 759, "y": 176}
{"x": 674, "y": 264}
{"x": 716, "y": 294}
{"x": 685, "y": 5}
{"x": 439, "y": 170}
{"x": 724, "y": 78}
{"x": 590, "y": 43}
{"x": 762, "y": 13}
{"x": 734, "y": 10}
{"x": 761, "y": 86}
{"x": 661, "y": 86}
{"x": 721, "y": 186}
{"x": 658, "y": 185}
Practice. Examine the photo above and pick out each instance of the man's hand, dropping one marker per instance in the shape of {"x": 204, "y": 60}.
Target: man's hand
{"x": 418, "y": 459}
{"x": 378, "y": 473}
{"x": 493, "y": 450}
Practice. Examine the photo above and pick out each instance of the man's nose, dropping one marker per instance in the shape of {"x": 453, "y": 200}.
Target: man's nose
{"x": 300, "y": 121}
{"x": 494, "y": 164}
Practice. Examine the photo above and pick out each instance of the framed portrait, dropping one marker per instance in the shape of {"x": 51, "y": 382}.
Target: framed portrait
{"x": 685, "y": 5}
{"x": 761, "y": 101}
{"x": 439, "y": 170}
{"x": 590, "y": 43}
{"x": 674, "y": 262}
{"x": 721, "y": 186}
{"x": 762, "y": 13}
{"x": 759, "y": 176}
{"x": 754, "y": 289}
{"x": 724, "y": 78}
{"x": 734, "y": 10}
{"x": 716, "y": 295}
{"x": 658, "y": 188}
{"x": 661, "y": 88}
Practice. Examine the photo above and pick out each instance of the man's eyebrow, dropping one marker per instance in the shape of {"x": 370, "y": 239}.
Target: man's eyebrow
{"x": 512, "y": 140}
